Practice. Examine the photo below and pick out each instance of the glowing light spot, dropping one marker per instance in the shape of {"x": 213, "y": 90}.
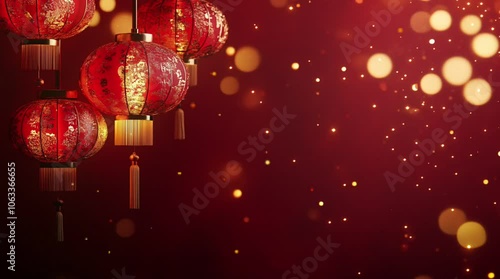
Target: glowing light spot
{"x": 440, "y": 20}
{"x": 321, "y": 203}
{"x": 477, "y": 92}
{"x": 354, "y": 184}
{"x": 432, "y": 41}
{"x": 419, "y": 22}
{"x": 295, "y": 66}
{"x": 491, "y": 275}
{"x": 96, "y": 19}
{"x": 471, "y": 234}
{"x": 179, "y": 173}
{"x": 121, "y": 23}
{"x": 125, "y": 228}
{"x": 107, "y": 5}
{"x": 470, "y": 24}
{"x": 485, "y": 45}
{"x": 229, "y": 85}
{"x": 450, "y": 220}
{"x": 457, "y": 70}
{"x": 247, "y": 59}
{"x": 335, "y": 130}
{"x": 431, "y": 84}
{"x": 486, "y": 182}
{"x": 379, "y": 65}
{"x": 237, "y": 193}
{"x": 343, "y": 69}
{"x": 414, "y": 87}
{"x": 267, "y": 162}
{"x": 230, "y": 51}
{"x": 236, "y": 252}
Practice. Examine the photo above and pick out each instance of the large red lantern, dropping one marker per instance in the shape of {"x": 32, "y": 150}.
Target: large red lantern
{"x": 44, "y": 23}
{"x": 192, "y": 28}
{"x": 133, "y": 79}
{"x": 59, "y": 131}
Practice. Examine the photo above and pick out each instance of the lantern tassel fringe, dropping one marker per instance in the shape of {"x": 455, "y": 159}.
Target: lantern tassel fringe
{"x": 40, "y": 57}
{"x": 59, "y": 220}
{"x": 134, "y": 183}
{"x": 179, "y": 128}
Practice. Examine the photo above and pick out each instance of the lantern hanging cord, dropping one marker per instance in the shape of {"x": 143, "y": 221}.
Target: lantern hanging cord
{"x": 134, "y": 17}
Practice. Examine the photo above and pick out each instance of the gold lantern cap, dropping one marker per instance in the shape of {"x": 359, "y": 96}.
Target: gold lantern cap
{"x": 134, "y": 37}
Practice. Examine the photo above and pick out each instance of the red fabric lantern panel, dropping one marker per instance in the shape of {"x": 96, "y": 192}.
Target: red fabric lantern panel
{"x": 58, "y": 131}
{"x": 133, "y": 78}
{"x": 192, "y": 28}
{"x": 44, "y": 23}
{"x": 47, "y": 19}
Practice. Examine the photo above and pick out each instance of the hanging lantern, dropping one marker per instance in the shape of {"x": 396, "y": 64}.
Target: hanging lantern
{"x": 192, "y": 28}
{"x": 44, "y": 23}
{"x": 133, "y": 79}
{"x": 58, "y": 131}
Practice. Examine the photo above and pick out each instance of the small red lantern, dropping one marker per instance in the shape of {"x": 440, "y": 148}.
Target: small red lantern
{"x": 133, "y": 79}
{"x": 44, "y": 23}
{"x": 58, "y": 131}
{"x": 192, "y": 28}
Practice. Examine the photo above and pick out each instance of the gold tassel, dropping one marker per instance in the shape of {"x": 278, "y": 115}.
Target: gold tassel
{"x": 192, "y": 69}
{"x": 179, "y": 128}
{"x": 134, "y": 182}
{"x": 59, "y": 219}
{"x": 44, "y": 54}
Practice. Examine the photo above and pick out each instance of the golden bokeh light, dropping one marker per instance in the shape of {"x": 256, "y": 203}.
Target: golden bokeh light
{"x": 457, "y": 70}
{"x": 279, "y": 3}
{"x": 379, "y": 65}
{"x": 491, "y": 275}
{"x": 237, "y": 193}
{"x": 121, "y": 23}
{"x": 267, "y": 162}
{"x": 419, "y": 22}
{"x": 247, "y": 59}
{"x": 485, "y": 45}
{"x": 107, "y": 5}
{"x": 450, "y": 220}
{"x": 96, "y": 19}
{"x": 440, "y": 20}
{"x": 295, "y": 66}
{"x": 229, "y": 85}
{"x": 470, "y": 25}
{"x": 471, "y": 235}
{"x": 431, "y": 84}
{"x": 230, "y": 51}
{"x": 477, "y": 92}
{"x": 125, "y": 228}
{"x": 486, "y": 182}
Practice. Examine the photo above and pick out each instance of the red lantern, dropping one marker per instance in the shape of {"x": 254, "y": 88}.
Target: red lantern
{"x": 44, "y": 23}
{"x": 133, "y": 79}
{"x": 58, "y": 131}
{"x": 192, "y": 28}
